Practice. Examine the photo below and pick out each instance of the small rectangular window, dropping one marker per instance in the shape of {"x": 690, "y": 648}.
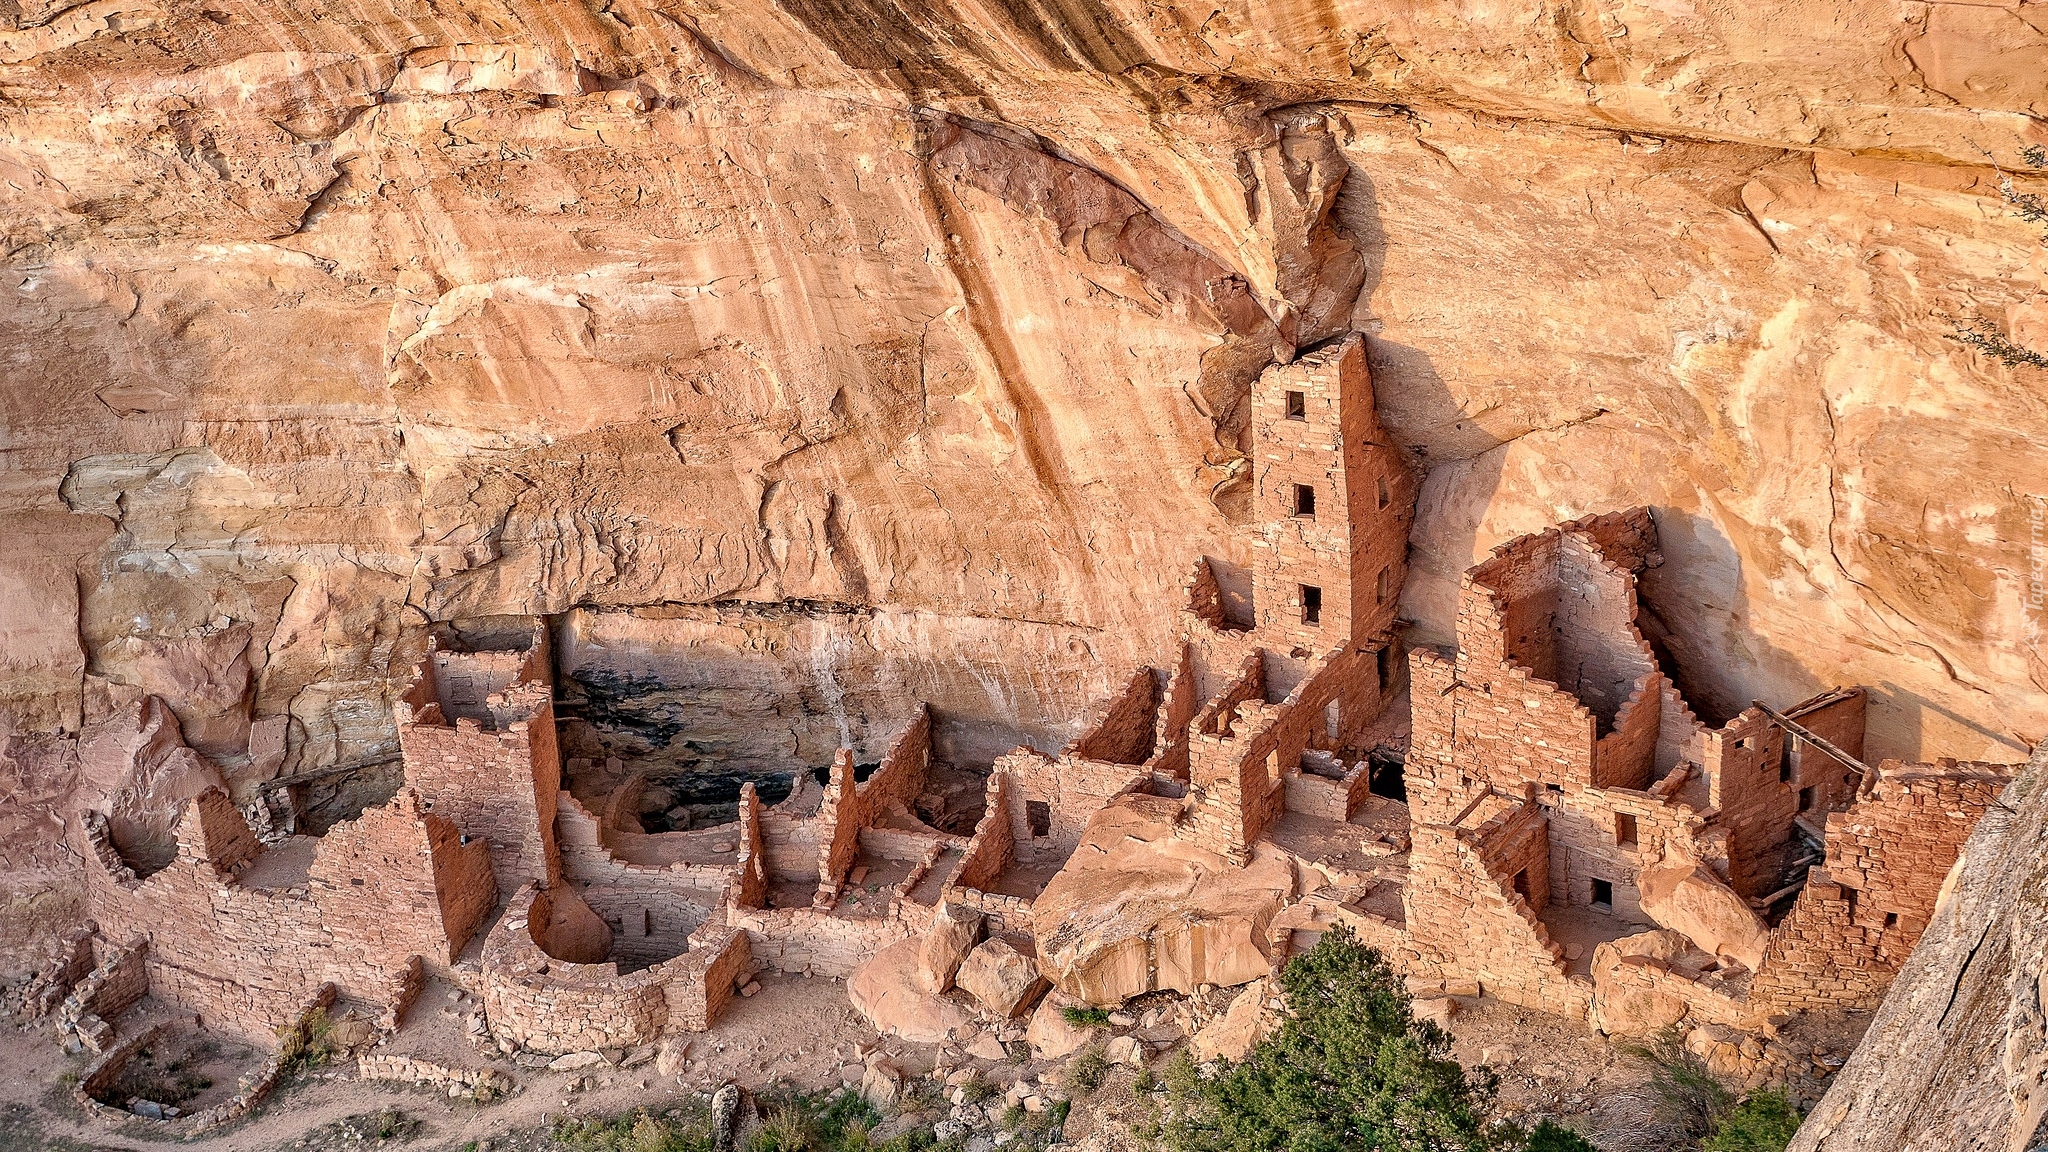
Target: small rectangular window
{"x": 1785, "y": 763}
{"x": 1624, "y": 829}
{"x": 1297, "y": 406}
{"x": 1603, "y": 894}
{"x": 1384, "y": 585}
{"x": 1304, "y": 500}
{"x": 1806, "y": 799}
{"x": 1038, "y": 815}
{"x": 1311, "y": 604}
{"x": 1385, "y": 496}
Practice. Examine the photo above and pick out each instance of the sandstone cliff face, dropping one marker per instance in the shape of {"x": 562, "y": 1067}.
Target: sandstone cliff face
{"x": 1957, "y": 1059}
{"x": 325, "y": 321}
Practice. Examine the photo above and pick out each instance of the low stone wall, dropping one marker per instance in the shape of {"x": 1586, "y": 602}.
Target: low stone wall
{"x": 1010, "y": 914}
{"x": 477, "y": 1083}
{"x": 55, "y": 979}
{"x": 120, "y": 979}
{"x": 537, "y": 1003}
{"x": 813, "y": 941}
{"x": 252, "y": 1090}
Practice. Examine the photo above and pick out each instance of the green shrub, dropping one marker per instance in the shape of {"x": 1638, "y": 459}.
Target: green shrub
{"x": 1086, "y": 1072}
{"x": 307, "y": 1044}
{"x": 1549, "y": 1137}
{"x": 1085, "y": 1017}
{"x": 1349, "y": 1067}
{"x": 1763, "y": 1122}
{"x": 789, "y": 1128}
{"x": 638, "y": 1131}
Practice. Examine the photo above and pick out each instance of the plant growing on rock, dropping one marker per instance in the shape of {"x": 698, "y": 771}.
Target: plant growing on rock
{"x": 1349, "y": 1067}
{"x": 1764, "y": 1122}
{"x": 1085, "y": 1017}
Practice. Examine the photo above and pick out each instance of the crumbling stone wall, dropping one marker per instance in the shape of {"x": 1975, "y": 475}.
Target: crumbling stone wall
{"x": 1126, "y": 730}
{"x": 994, "y": 843}
{"x": 1819, "y": 782}
{"x": 491, "y": 766}
{"x": 400, "y": 881}
{"x": 243, "y": 958}
{"x": 1864, "y": 909}
{"x": 851, "y": 806}
{"x": 1071, "y": 790}
{"x": 539, "y": 1003}
{"x": 1468, "y": 918}
{"x": 1742, "y": 765}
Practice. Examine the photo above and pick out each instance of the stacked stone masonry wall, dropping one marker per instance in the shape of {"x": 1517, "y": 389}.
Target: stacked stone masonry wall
{"x": 994, "y": 843}
{"x": 1126, "y": 731}
{"x": 538, "y": 1003}
{"x": 1755, "y": 807}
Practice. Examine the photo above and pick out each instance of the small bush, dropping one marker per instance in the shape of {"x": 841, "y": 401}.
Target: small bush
{"x": 977, "y": 1090}
{"x": 638, "y": 1131}
{"x": 1549, "y": 1137}
{"x": 1763, "y": 1122}
{"x": 788, "y": 1129}
{"x": 921, "y": 1095}
{"x": 1689, "y": 1098}
{"x": 1986, "y": 338}
{"x": 308, "y": 1043}
{"x": 1086, "y": 1072}
{"x": 1085, "y": 1017}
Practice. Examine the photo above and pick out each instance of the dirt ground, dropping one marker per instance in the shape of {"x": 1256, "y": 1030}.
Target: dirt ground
{"x": 796, "y": 1031}
{"x": 799, "y": 1032}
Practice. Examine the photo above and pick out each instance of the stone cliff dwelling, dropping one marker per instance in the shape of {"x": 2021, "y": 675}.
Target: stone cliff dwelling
{"x": 1535, "y": 814}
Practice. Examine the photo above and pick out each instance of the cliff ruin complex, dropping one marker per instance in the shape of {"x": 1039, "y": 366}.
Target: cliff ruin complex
{"x": 1536, "y": 815}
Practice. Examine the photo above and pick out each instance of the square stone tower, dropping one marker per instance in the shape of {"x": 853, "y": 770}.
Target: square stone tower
{"x": 1334, "y": 499}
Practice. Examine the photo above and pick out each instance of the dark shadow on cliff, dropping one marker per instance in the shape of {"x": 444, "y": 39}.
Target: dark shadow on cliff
{"x": 1457, "y": 463}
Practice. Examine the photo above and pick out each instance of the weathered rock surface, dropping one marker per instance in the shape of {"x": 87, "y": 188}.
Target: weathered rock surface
{"x": 328, "y": 319}
{"x": 1003, "y": 977}
{"x": 1956, "y": 1057}
{"x": 1688, "y": 898}
{"x": 886, "y": 991}
{"x": 1050, "y": 1036}
{"x": 1136, "y": 910}
{"x": 954, "y": 932}
{"x": 1242, "y": 1025}
{"x": 1622, "y": 1008}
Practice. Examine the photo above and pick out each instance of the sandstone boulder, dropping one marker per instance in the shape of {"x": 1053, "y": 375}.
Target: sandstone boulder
{"x": 1685, "y": 896}
{"x": 673, "y": 1057}
{"x": 1050, "y": 1036}
{"x": 885, "y": 990}
{"x": 1136, "y": 910}
{"x": 881, "y": 1084}
{"x": 1622, "y": 1005}
{"x": 1005, "y": 979}
{"x": 1243, "y": 1024}
{"x": 954, "y": 932}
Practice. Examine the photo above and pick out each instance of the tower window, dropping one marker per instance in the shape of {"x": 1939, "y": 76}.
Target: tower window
{"x": 1297, "y": 406}
{"x": 1304, "y": 500}
{"x": 1384, "y": 586}
{"x": 1603, "y": 894}
{"x": 1311, "y": 604}
{"x": 1385, "y": 496}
